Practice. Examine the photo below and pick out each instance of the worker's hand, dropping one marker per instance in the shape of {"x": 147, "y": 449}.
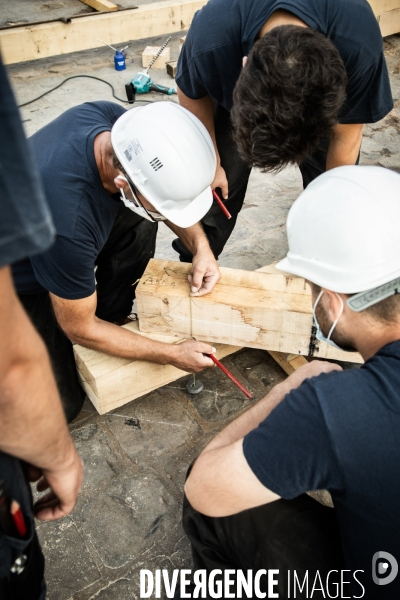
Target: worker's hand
{"x": 220, "y": 181}
{"x": 312, "y": 369}
{"x": 190, "y": 356}
{"x": 204, "y": 274}
{"x": 65, "y": 484}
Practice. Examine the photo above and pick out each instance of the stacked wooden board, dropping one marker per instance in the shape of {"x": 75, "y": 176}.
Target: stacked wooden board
{"x": 111, "y": 382}
{"x": 271, "y": 311}
{"x": 31, "y": 42}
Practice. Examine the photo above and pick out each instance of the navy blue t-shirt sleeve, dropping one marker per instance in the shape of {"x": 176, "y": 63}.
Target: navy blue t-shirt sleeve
{"x": 369, "y": 97}
{"x": 188, "y": 78}
{"x": 67, "y": 268}
{"x": 26, "y": 227}
{"x": 291, "y": 452}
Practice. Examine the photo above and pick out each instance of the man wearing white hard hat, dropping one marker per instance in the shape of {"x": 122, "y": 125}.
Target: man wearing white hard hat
{"x": 246, "y": 505}
{"x": 110, "y": 175}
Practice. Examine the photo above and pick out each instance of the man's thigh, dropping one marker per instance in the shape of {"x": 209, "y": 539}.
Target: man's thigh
{"x": 59, "y": 347}
{"x": 27, "y": 582}
{"x": 289, "y": 535}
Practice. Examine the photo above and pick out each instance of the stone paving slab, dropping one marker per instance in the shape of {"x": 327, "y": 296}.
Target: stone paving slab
{"x": 136, "y": 458}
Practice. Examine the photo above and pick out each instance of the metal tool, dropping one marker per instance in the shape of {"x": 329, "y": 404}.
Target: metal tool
{"x": 142, "y": 83}
{"x": 193, "y": 386}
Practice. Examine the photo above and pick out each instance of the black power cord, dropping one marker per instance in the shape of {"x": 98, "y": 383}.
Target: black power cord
{"x": 75, "y": 77}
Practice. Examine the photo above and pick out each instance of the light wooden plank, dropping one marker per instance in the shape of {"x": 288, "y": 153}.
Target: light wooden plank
{"x": 288, "y": 362}
{"x": 171, "y": 68}
{"x": 381, "y": 6}
{"x": 389, "y": 22}
{"x": 111, "y": 382}
{"x": 150, "y": 51}
{"x": 49, "y": 39}
{"x": 258, "y": 310}
{"x": 100, "y": 4}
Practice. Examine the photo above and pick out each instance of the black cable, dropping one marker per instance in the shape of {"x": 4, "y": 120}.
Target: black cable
{"x": 75, "y": 77}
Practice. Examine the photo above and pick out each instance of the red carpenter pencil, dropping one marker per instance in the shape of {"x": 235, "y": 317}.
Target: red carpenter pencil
{"x": 232, "y": 377}
{"x": 18, "y": 518}
{"x": 221, "y": 205}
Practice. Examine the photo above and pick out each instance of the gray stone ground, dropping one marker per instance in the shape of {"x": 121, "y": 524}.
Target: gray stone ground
{"x": 128, "y": 515}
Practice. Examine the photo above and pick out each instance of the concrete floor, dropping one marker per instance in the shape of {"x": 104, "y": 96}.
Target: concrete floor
{"x": 128, "y": 515}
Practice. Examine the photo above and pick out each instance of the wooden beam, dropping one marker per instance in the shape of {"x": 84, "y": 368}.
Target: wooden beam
{"x": 381, "y": 6}
{"x": 111, "y": 382}
{"x": 150, "y": 51}
{"x": 171, "y": 68}
{"x": 100, "y": 4}
{"x": 258, "y": 310}
{"x": 389, "y": 22}
{"x": 49, "y": 39}
{"x": 288, "y": 362}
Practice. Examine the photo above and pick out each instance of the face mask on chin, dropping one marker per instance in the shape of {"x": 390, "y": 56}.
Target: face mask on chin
{"x": 319, "y": 335}
{"x": 137, "y": 207}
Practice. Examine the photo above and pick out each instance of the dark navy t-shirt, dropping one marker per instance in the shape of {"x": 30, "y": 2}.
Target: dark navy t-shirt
{"x": 25, "y": 221}
{"x": 224, "y": 31}
{"x": 341, "y": 431}
{"x": 83, "y": 212}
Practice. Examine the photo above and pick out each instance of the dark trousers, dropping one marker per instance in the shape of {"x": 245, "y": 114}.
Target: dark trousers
{"x": 120, "y": 264}
{"x": 299, "y": 534}
{"x": 216, "y": 226}
{"x": 28, "y": 584}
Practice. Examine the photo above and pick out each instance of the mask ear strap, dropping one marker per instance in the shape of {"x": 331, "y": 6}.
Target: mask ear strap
{"x": 316, "y": 302}
{"x": 340, "y": 314}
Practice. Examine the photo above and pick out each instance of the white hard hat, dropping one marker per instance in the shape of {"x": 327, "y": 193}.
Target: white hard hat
{"x": 169, "y": 156}
{"x": 344, "y": 230}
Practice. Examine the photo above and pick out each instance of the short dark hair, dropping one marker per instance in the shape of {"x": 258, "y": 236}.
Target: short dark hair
{"x": 288, "y": 97}
{"x": 386, "y": 311}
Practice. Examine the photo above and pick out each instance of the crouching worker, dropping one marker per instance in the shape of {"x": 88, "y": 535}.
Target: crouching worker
{"x": 322, "y": 428}
{"x": 110, "y": 176}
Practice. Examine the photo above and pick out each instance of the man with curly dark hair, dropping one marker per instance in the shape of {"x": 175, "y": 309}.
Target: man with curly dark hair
{"x": 315, "y": 74}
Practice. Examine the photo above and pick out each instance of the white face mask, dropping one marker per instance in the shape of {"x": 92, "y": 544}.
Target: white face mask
{"x": 136, "y": 206}
{"x": 319, "y": 335}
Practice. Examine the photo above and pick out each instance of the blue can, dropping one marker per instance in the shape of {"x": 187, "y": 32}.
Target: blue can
{"x": 119, "y": 61}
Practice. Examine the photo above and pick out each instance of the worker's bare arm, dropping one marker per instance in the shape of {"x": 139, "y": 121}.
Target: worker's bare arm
{"x": 345, "y": 145}
{"x": 32, "y": 422}
{"x": 205, "y": 272}
{"x": 78, "y": 320}
{"x": 203, "y": 109}
{"x": 221, "y": 483}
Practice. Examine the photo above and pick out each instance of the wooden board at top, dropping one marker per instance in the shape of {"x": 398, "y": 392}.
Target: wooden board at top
{"x": 270, "y": 311}
{"x": 49, "y": 39}
{"x": 100, "y": 4}
{"x": 382, "y": 6}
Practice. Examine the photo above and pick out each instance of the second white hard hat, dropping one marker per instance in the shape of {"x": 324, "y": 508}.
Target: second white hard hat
{"x": 169, "y": 156}
{"x": 344, "y": 230}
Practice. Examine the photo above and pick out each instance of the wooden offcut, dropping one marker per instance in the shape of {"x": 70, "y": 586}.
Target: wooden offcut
{"x": 171, "y": 68}
{"x": 110, "y": 382}
{"x": 49, "y": 39}
{"x": 150, "y": 51}
{"x": 288, "y": 362}
{"x": 100, "y": 4}
{"x": 269, "y": 311}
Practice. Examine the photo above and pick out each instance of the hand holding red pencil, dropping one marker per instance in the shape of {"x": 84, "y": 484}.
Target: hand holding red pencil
{"x": 221, "y": 205}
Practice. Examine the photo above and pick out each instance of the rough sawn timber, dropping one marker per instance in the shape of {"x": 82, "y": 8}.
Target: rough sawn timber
{"x": 270, "y": 311}
{"x": 110, "y": 382}
{"x": 30, "y": 42}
